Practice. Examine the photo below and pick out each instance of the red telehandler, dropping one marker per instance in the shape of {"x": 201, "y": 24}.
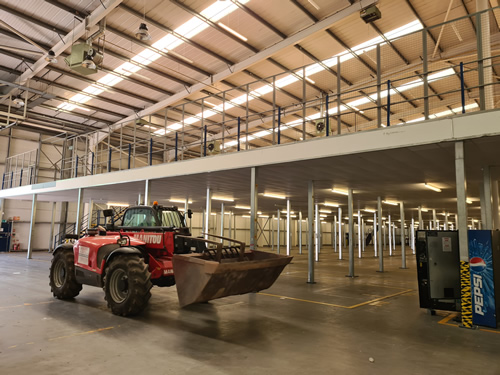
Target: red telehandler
{"x": 153, "y": 246}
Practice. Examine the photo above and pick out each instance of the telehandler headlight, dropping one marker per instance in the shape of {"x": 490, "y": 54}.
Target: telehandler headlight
{"x": 122, "y": 241}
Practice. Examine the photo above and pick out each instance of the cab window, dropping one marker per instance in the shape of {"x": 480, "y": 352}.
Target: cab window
{"x": 139, "y": 217}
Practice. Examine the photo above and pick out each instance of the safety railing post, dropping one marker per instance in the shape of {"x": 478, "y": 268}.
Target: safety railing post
{"x": 279, "y": 125}
{"x": 92, "y": 164}
{"x": 205, "y": 141}
{"x": 3, "y": 180}
{"x": 239, "y": 132}
{"x": 109, "y": 160}
{"x": 21, "y": 178}
{"x": 76, "y": 167}
{"x": 129, "y": 154}
{"x": 327, "y": 118}
{"x": 389, "y": 102}
{"x": 462, "y": 86}
{"x": 11, "y": 178}
{"x": 176, "y": 143}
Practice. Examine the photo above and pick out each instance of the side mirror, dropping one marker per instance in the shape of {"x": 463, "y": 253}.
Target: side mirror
{"x": 190, "y": 213}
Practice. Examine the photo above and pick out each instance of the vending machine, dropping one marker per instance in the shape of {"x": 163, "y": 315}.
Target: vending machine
{"x": 484, "y": 262}
{"x": 438, "y": 269}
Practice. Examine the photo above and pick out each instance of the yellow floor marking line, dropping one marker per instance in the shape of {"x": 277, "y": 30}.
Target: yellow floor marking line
{"x": 446, "y": 319}
{"x": 82, "y": 333}
{"x": 302, "y": 300}
{"x": 334, "y": 305}
{"x": 25, "y": 304}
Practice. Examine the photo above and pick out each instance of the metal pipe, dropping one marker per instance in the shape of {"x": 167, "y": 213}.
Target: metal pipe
{"x": 279, "y": 125}
{"x": 388, "y": 103}
{"x": 253, "y": 208}
{"x": 208, "y": 210}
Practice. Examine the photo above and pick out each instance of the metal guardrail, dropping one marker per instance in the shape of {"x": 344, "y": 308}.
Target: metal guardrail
{"x": 430, "y": 85}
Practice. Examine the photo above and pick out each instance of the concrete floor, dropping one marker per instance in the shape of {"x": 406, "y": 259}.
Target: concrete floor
{"x": 332, "y": 327}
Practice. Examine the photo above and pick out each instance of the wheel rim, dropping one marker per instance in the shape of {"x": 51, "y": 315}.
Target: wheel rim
{"x": 59, "y": 273}
{"x": 118, "y": 286}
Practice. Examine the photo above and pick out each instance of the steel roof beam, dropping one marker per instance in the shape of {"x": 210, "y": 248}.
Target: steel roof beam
{"x": 103, "y": 9}
{"x": 245, "y": 64}
{"x": 134, "y": 40}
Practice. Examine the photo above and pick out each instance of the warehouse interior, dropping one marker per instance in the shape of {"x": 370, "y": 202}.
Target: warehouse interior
{"x": 327, "y": 130}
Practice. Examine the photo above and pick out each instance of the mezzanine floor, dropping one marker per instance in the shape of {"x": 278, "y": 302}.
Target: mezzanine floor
{"x": 332, "y": 327}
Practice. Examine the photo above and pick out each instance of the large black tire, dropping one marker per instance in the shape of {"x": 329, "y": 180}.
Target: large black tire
{"x": 63, "y": 284}
{"x": 127, "y": 285}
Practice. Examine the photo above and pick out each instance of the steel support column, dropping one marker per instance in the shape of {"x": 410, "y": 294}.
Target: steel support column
{"x": 350, "y": 208}
{"x": 317, "y": 233}
{"x": 403, "y": 237}
{"x": 288, "y": 227}
{"x": 381, "y": 235}
{"x": 310, "y": 214}
{"x": 340, "y": 233}
{"x": 253, "y": 208}
{"x": 208, "y": 211}
{"x": 52, "y": 224}
{"x": 462, "y": 234}
{"x": 32, "y": 226}
{"x": 222, "y": 221}
{"x": 300, "y": 232}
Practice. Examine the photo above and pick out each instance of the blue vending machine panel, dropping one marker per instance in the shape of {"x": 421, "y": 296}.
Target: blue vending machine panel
{"x": 482, "y": 278}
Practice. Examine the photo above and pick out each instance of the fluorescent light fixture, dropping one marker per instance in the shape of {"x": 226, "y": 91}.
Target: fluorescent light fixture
{"x": 369, "y": 210}
{"x": 223, "y": 199}
{"x": 391, "y": 203}
{"x": 246, "y": 216}
{"x": 313, "y": 3}
{"x": 210, "y": 103}
{"x": 330, "y": 204}
{"x": 227, "y": 28}
{"x": 273, "y": 196}
{"x": 117, "y": 204}
{"x": 424, "y": 210}
{"x": 343, "y": 192}
{"x": 179, "y": 201}
{"x": 213, "y": 213}
{"x": 432, "y": 187}
{"x": 468, "y": 201}
{"x": 179, "y": 56}
{"x": 325, "y": 211}
{"x": 243, "y": 207}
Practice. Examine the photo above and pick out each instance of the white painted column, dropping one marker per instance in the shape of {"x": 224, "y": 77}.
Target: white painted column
{"x": 52, "y": 224}
{"x": 403, "y": 235}
{"x": 350, "y": 209}
{"x": 359, "y": 234}
{"x": 375, "y": 234}
{"x": 341, "y": 235}
{"x": 253, "y": 208}
{"x": 147, "y": 193}
{"x": 420, "y": 221}
{"x": 381, "y": 235}
{"x": 278, "y": 239}
{"x": 208, "y": 212}
{"x": 222, "y": 221}
{"x": 390, "y": 235}
{"x": 288, "y": 230}
{"x": 300, "y": 232}
{"x": 317, "y": 232}
{"x": 335, "y": 233}
{"x": 32, "y": 226}
{"x": 310, "y": 213}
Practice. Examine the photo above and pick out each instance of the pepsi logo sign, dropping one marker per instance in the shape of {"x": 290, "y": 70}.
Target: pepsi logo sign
{"x": 477, "y": 264}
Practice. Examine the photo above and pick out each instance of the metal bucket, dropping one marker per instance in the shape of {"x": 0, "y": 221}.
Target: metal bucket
{"x": 199, "y": 278}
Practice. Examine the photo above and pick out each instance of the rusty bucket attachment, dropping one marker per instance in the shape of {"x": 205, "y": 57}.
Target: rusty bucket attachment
{"x": 222, "y": 271}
